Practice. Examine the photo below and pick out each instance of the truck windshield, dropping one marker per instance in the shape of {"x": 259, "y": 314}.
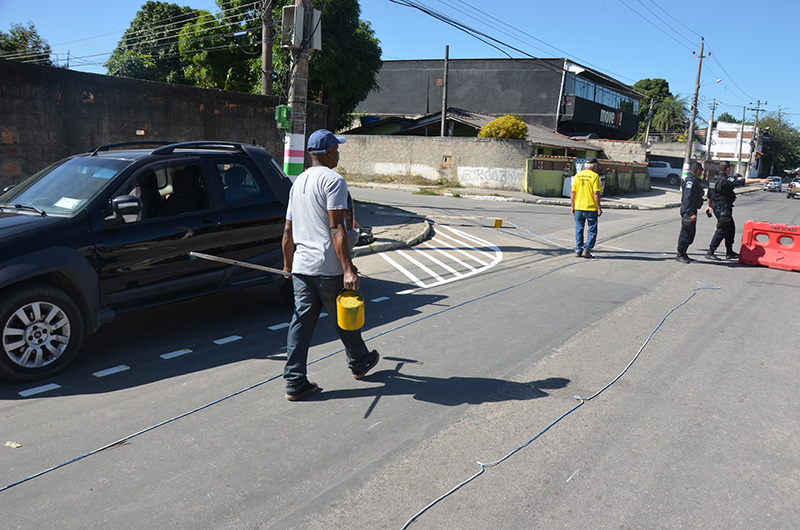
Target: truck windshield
{"x": 65, "y": 187}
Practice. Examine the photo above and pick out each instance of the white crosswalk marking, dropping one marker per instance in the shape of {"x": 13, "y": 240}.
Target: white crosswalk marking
{"x": 451, "y": 255}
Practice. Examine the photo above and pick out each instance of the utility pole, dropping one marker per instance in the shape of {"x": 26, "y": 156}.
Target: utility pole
{"x": 266, "y": 48}
{"x": 647, "y": 130}
{"x": 710, "y": 129}
{"x": 751, "y": 158}
{"x": 444, "y": 90}
{"x": 690, "y": 137}
{"x": 294, "y": 151}
{"x": 741, "y": 137}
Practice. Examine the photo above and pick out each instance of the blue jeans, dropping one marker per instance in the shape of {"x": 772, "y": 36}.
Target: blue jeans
{"x": 311, "y": 294}
{"x": 588, "y": 218}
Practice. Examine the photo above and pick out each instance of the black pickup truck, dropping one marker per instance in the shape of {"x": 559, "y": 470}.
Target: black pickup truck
{"x": 108, "y": 232}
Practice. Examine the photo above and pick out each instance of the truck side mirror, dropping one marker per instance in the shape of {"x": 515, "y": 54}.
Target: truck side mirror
{"x": 122, "y": 207}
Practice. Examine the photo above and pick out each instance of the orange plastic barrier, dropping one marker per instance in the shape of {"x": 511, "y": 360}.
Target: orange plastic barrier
{"x": 771, "y": 245}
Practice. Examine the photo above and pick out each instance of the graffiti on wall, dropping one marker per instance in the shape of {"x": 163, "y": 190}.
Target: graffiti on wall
{"x": 491, "y": 177}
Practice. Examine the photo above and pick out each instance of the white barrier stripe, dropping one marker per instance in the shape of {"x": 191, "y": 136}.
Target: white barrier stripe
{"x": 402, "y": 269}
{"x": 420, "y": 265}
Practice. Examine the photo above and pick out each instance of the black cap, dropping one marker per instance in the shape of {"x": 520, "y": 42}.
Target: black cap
{"x": 591, "y": 160}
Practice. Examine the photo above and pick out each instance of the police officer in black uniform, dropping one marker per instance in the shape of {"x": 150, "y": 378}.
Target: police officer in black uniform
{"x": 721, "y": 196}
{"x": 691, "y": 201}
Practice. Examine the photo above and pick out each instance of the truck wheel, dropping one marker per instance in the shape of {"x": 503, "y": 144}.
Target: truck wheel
{"x": 42, "y": 331}
{"x": 673, "y": 180}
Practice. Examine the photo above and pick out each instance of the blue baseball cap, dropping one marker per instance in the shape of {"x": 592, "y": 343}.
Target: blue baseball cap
{"x": 321, "y": 140}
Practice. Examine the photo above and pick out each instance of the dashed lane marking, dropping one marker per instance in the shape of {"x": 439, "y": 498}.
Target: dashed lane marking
{"x": 111, "y": 371}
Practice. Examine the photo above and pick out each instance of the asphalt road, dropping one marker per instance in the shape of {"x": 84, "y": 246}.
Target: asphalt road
{"x": 175, "y": 417}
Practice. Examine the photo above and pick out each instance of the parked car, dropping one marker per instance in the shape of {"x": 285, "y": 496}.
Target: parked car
{"x": 664, "y": 170}
{"x": 774, "y": 184}
{"x": 108, "y": 232}
{"x": 793, "y": 188}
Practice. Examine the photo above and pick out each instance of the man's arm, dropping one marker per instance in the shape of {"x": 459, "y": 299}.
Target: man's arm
{"x": 572, "y": 200}
{"x": 597, "y": 202}
{"x": 341, "y": 245}
{"x": 287, "y": 244}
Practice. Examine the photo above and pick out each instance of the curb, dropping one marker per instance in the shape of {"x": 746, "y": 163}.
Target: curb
{"x": 391, "y": 245}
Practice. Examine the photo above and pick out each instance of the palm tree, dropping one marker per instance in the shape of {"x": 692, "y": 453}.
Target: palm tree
{"x": 670, "y": 114}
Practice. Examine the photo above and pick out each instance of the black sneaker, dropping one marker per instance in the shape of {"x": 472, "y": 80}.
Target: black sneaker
{"x": 578, "y": 253}
{"x": 587, "y": 254}
{"x": 713, "y": 257}
{"x": 682, "y": 258}
{"x": 369, "y": 367}
{"x": 732, "y": 255}
{"x": 306, "y": 390}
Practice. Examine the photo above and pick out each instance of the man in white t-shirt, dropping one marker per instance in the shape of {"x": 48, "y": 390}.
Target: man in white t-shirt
{"x": 316, "y": 251}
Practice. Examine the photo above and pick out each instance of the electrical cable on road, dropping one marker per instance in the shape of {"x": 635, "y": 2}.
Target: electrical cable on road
{"x": 581, "y": 401}
{"x": 125, "y": 439}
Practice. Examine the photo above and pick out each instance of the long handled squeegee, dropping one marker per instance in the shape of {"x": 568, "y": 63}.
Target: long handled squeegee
{"x": 239, "y": 263}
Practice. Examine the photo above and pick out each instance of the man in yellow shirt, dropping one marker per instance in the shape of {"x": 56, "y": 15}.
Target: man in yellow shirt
{"x": 585, "y": 199}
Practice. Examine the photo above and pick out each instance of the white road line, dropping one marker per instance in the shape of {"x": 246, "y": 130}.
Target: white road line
{"x": 462, "y": 252}
{"x": 450, "y": 256}
{"x": 380, "y": 299}
{"x": 176, "y": 353}
{"x": 420, "y": 265}
{"x": 38, "y": 390}
{"x": 491, "y": 251}
{"x": 111, "y": 371}
{"x": 276, "y": 327}
{"x": 437, "y": 261}
{"x": 467, "y": 245}
{"x": 470, "y": 237}
{"x": 226, "y": 340}
{"x": 402, "y": 269}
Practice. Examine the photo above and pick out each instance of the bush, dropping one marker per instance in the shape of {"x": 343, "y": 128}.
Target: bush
{"x": 508, "y": 126}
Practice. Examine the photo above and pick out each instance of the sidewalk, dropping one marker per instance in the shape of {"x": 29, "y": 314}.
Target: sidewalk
{"x": 395, "y": 228}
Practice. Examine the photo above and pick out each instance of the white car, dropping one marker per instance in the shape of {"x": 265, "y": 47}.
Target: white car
{"x": 774, "y": 184}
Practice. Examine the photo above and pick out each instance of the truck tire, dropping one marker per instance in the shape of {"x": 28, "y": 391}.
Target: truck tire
{"x": 42, "y": 331}
{"x": 673, "y": 180}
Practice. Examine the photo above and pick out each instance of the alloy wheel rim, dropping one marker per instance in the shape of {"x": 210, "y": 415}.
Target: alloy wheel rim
{"x": 36, "y": 334}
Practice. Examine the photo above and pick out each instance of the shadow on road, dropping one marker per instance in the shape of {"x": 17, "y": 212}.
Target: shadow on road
{"x": 447, "y": 391}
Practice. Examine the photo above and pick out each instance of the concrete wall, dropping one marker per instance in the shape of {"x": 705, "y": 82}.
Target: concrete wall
{"x": 628, "y": 151}
{"x": 473, "y": 162}
{"x": 49, "y": 113}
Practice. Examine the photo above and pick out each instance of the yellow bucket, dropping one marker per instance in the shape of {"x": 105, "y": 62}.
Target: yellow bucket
{"x": 350, "y": 310}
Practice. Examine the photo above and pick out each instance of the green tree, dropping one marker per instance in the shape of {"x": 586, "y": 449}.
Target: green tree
{"x": 653, "y": 89}
{"x": 727, "y": 118}
{"x": 24, "y": 44}
{"x": 781, "y": 143}
{"x": 149, "y": 47}
{"x": 344, "y": 72}
{"x": 670, "y": 114}
{"x": 509, "y": 126}
{"x": 223, "y": 51}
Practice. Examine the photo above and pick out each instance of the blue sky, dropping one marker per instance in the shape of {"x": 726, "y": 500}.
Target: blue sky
{"x": 752, "y": 44}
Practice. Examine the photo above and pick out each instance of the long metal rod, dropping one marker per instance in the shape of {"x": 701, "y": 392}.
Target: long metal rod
{"x": 209, "y": 257}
